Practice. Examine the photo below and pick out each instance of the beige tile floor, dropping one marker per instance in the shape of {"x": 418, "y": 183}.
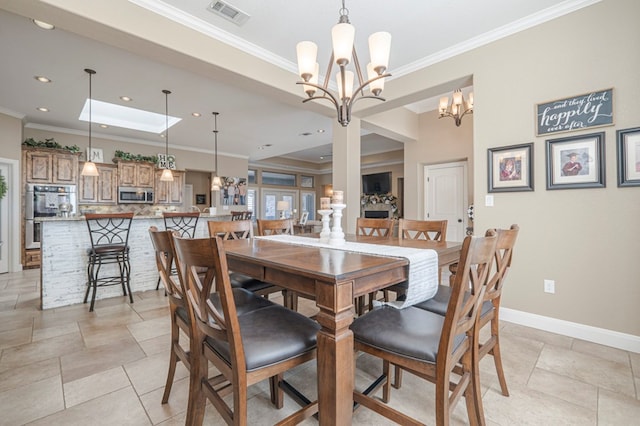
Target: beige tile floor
{"x": 67, "y": 366}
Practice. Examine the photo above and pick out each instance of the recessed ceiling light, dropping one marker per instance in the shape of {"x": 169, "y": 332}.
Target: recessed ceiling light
{"x": 104, "y": 126}
{"x": 43, "y": 25}
{"x": 42, "y": 79}
{"x": 129, "y": 118}
{"x": 126, "y": 98}
{"x": 43, "y": 109}
{"x": 306, "y": 134}
{"x": 195, "y": 114}
{"x": 320, "y": 130}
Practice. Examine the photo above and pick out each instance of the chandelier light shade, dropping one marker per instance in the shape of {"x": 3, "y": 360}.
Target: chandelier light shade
{"x": 458, "y": 107}
{"x": 167, "y": 175}
{"x": 89, "y": 168}
{"x": 216, "y": 183}
{"x": 344, "y": 53}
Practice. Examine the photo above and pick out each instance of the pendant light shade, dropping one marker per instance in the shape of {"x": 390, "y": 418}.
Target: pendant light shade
{"x": 167, "y": 175}
{"x": 89, "y": 168}
{"x": 216, "y": 182}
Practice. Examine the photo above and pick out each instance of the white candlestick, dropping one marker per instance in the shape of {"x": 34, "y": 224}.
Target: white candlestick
{"x": 337, "y": 236}
{"x": 338, "y": 197}
{"x": 326, "y": 230}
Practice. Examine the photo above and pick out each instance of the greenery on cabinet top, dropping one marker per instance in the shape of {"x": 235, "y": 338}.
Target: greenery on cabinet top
{"x": 126, "y": 156}
{"x": 50, "y": 143}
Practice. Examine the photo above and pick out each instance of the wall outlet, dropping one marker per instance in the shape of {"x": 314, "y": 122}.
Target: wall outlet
{"x": 549, "y": 286}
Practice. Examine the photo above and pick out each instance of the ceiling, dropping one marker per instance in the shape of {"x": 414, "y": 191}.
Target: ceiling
{"x": 423, "y": 32}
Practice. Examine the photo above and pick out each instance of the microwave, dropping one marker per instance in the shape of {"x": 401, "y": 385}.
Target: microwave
{"x": 129, "y": 195}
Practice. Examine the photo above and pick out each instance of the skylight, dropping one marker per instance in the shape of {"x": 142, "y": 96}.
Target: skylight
{"x": 126, "y": 117}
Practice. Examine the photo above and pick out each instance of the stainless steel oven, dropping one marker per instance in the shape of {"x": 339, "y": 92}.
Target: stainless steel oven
{"x": 46, "y": 201}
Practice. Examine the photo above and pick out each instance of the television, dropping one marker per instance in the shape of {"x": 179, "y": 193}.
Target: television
{"x": 377, "y": 183}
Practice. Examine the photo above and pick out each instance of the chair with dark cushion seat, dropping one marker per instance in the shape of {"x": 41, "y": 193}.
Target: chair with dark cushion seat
{"x": 238, "y": 230}
{"x": 245, "y": 349}
{"x": 109, "y": 234}
{"x": 430, "y": 345}
{"x": 180, "y": 321}
{"x": 490, "y": 311}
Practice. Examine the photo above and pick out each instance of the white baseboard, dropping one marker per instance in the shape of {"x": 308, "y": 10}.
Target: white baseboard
{"x": 615, "y": 339}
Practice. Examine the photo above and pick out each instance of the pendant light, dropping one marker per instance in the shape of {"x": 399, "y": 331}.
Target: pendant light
{"x": 89, "y": 168}
{"x": 167, "y": 175}
{"x": 216, "y": 183}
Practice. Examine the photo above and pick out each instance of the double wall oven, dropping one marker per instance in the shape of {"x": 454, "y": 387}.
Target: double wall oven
{"x": 46, "y": 201}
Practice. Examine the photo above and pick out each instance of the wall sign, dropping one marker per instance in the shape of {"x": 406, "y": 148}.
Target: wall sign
{"x": 166, "y": 161}
{"x": 575, "y": 113}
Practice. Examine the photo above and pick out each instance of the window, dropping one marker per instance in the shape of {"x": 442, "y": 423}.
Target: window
{"x": 309, "y": 204}
{"x": 306, "y": 181}
{"x": 252, "y": 176}
{"x": 251, "y": 202}
{"x": 281, "y": 179}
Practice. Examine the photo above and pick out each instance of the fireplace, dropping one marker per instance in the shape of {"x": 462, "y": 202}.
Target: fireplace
{"x": 376, "y": 214}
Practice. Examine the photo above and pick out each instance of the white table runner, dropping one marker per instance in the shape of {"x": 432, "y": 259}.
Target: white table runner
{"x": 423, "y": 264}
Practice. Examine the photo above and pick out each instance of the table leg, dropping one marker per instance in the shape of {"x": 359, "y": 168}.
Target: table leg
{"x": 335, "y": 353}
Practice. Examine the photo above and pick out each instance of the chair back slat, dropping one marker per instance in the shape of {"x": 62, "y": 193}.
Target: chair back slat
{"x": 237, "y": 215}
{"x": 231, "y": 230}
{"x": 109, "y": 229}
{"x": 435, "y": 230}
{"x": 273, "y": 227}
{"x": 503, "y": 255}
{"x": 163, "y": 245}
{"x": 185, "y": 223}
{"x": 382, "y": 228}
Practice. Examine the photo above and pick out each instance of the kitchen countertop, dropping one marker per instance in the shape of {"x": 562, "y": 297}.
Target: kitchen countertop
{"x": 75, "y": 218}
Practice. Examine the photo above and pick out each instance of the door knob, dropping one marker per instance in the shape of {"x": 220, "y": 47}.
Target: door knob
{"x": 459, "y": 220}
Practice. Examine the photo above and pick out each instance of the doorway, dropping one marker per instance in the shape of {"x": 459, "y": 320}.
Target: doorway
{"x": 446, "y": 196}
{"x": 270, "y": 198}
{"x": 10, "y": 229}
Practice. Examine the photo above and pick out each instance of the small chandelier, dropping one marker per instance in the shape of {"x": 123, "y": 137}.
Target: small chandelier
{"x": 458, "y": 108}
{"x": 342, "y": 35}
{"x": 89, "y": 168}
{"x": 216, "y": 183}
{"x": 167, "y": 175}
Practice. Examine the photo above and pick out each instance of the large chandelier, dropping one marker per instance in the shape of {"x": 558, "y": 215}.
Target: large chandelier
{"x": 458, "y": 107}
{"x": 342, "y": 36}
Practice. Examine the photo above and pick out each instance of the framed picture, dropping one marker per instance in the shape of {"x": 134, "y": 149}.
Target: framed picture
{"x": 576, "y": 162}
{"x": 580, "y": 112}
{"x": 233, "y": 191}
{"x": 303, "y": 218}
{"x": 629, "y": 157}
{"x": 95, "y": 155}
{"x": 201, "y": 198}
{"x": 511, "y": 168}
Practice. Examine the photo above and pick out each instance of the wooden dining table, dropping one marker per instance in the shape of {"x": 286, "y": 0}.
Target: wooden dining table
{"x": 333, "y": 277}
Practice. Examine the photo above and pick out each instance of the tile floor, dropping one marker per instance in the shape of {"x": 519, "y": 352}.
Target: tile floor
{"x": 67, "y": 366}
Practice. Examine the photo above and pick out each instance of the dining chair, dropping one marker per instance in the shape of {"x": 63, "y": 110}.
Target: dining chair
{"x": 247, "y": 215}
{"x": 275, "y": 226}
{"x": 244, "y": 349}
{"x": 180, "y": 320}
{"x": 237, "y": 215}
{"x": 184, "y": 223}
{"x": 380, "y": 228}
{"x": 490, "y": 311}
{"x": 109, "y": 236}
{"x": 429, "y": 345}
{"x": 239, "y": 230}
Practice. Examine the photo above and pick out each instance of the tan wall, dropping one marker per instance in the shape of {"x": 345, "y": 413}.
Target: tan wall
{"x": 201, "y": 182}
{"x": 584, "y": 239}
{"x": 10, "y": 137}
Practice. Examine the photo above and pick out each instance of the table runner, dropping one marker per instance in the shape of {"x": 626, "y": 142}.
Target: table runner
{"x": 423, "y": 264}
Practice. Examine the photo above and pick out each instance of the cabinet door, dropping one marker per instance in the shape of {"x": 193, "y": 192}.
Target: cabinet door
{"x": 107, "y": 190}
{"x": 87, "y": 189}
{"x": 65, "y": 168}
{"x": 38, "y": 167}
{"x": 127, "y": 174}
{"x": 169, "y": 192}
{"x": 145, "y": 173}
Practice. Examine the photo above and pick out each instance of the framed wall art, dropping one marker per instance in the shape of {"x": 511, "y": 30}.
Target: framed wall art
{"x": 580, "y": 112}
{"x": 629, "y": 157}
{"x": 304, "y": 218}
{"x": 511, "y": 168}
{"x": 576, "y": 162}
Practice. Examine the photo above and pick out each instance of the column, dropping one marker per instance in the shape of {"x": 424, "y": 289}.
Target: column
{"x": 346, "y": 170}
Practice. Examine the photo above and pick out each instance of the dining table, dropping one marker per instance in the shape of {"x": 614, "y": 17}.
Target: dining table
{"x": 333, "y": 277}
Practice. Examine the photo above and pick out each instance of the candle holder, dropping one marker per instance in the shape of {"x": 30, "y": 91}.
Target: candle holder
{"x": 337, "y": 236}
{"x": 326, "y": 230}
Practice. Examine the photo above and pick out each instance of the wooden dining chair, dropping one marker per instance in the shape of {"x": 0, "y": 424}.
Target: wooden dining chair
{"x": 184, "y": 223}
{"x": 435, "y": 230}
{"x": 275, "y": 226}
{"x": 237, "y": 215}
{"x": 429, "y": 345}
{"x": 380, "y": 228}
{"x": 490, "y": 312}
{"x": 239, "y": 230}
{"x": 244, "y": 349}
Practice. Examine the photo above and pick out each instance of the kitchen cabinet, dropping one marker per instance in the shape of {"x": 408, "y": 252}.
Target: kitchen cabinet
{"x": 135, "y": 174}
{"x": 31, "y": 259}
{"x": 101, "y": 189}
{"x": 50, "y": 166}
{"x": 169, "y": 192}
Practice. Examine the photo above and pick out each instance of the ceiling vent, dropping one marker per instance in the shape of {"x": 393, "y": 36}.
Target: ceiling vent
{"x": 228, "y": 12}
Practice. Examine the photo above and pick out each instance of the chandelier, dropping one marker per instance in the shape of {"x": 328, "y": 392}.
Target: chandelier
{"x": 89, "y": 168}
{"x": 216, "y": 183}
{"x": 458, "y": 107}
{"x": 342, "y": 36}
{"x": 167, "y": 175}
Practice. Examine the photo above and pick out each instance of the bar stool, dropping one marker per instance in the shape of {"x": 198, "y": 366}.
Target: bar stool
{"x": 109, "y": 234}
{"x": 184, "y": 223}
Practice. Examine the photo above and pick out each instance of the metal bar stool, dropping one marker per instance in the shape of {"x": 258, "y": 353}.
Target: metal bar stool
{"x": 109, "y": 234}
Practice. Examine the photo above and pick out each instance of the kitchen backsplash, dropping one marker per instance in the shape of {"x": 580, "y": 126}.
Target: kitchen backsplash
{"x": 137, "y": 209}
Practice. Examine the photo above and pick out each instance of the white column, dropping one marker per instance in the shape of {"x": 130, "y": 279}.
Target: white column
{"x": 346, "y": 170}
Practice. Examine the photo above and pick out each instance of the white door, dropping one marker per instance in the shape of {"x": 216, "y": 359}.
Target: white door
{"x": 4, "y": 224}
{"x": 270, "y": 198}
{"x": 187, "y": 198}
{"x": 446, "y": 197}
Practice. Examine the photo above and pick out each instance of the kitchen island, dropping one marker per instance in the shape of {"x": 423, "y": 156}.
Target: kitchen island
{"x": 64, "y": 244}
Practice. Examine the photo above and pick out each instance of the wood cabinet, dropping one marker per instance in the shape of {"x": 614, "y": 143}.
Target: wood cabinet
{"x": 169, "y": 192}
{"x": 31, "y": 259}
{"x": 50, "y": 166}
{"x": 135, "y": 174}
{"x": 101, "y": 189}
